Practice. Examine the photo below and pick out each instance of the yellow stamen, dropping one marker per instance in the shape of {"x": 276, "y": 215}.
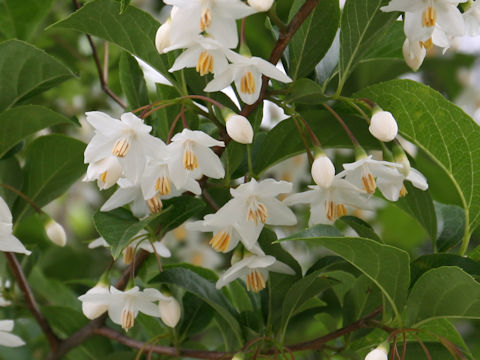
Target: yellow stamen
{"x": 103, "y": 177}
{"x": 247, "y": 83}
{"x": 180, "y": 233}
{"x": 127, "y": 319}
{"x": 155, "y": 204}
{"x": 368, "y": 183}
{"x": 162, "y": 185}
{"x": 197, "y": 259}
{"x": 429, "y": 17}
{"x": 121, "y": 147}
{"x": 205, "y": 63}
{"x": 220, "y": 241}
{"x": 128, "y": 255}
{"x": 257, "y": 212}
{"x": 330, "y": 210}
{"x": 341, "y": 210}
{"x": 403, "y": 191}
{"x": 255, "y": 281}
{"x": 427, "y": 44}
{"x": 205, "y": 19}
{"x": 190, "y": 161}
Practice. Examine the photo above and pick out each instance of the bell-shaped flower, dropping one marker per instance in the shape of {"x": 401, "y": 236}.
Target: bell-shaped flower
{"x": 215, "y": 17}
{"x": 93, "y": 310}
{"x": 414, "y": 53}
{"x": 253, "y": 269}
{"x": 203, "y": 53}
{"x": 392, "y": 187}
{"x": 106, "y": 171}
{"x": 247, "y": 73}
{"x": 128, "y": 139}
{"x": 327, "y": 204}
{"x": 8, "y": 242}
{"x": 162, "y": 37}
{"x": 6, "y": 338}
{"x": 190, "y": 153}
{"x": 421, "y": 17}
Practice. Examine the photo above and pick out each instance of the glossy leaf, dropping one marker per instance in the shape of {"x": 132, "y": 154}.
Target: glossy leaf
{"x": 307, "y": 48}
{"x": 451, "y": 226}
{"x": 26, "y": 71}
{"x": 305, "y": 91}
{"x": 445, "y": 292}
{"x": 53, "y": 163}
{"x": 362, "y": 228}
{"x": 21, "y": 121}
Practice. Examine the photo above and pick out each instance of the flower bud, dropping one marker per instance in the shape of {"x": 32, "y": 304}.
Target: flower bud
{"x": 239, "y": 128}
{"x": 238, "y": 356}
{"x": 261, "y": 5}
{"x": 162, "y": 38}
{"x": 380, "y": 353}
{"x": 413, "y": 53}
{"x": 170, "y": 311}
{"x": 56, "y": 233}
{"x": 323, "y": 171}
{"x": 383, "y": 126}
{"x": 94, "y": 310}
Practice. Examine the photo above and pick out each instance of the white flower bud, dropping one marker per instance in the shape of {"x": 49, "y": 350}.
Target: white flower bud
{"x": 94, "y": 310}
{"x": 56, "y": 233}
{"x": 162, "y": 38}
{"x": 383, "y": 126}
{"x": 261, "y": 5}
{"x": 413, "y": 53}
{"x": 380, "y": 353}
{"x": 239, "y": 128}
{"x": 170, "y": 311}
{"x": 323, "y": 171}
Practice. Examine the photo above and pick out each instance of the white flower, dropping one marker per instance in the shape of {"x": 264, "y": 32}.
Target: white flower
{"x": 383, "y": 126}
{"x": 162, "y": 37}
{"x": 327, "y": 204}
{"x": 8, "y": 242}
{"x": 393, "y": 188}
{"x": 7, "y": 339}
{"x": 56, "y": 233}
{"x": 216, "y": 17}
{"x": 239, "y": 128}
{"x": 129, "y": 140}
{"x": 421, "y": 17}
{"x": 141, "y": 242}
{"x": 380, "y": 353}
{"x": 190, "y": 153}
{"x": 106, "y": 171}
{"x": 98, "y": 242}
{"x": 130, "y": 193}
{"x": 170, "y": 311}
{"x": 205, "y": 54}
{"x": 323, "y": 171}
{"x": 123, "y": 306}
{"x": 261, "y": 5}
{"x": 253, "y": 269}
{"x": 93, "y": 310}
{"x": 246, "y": 72}
{"x": 414, "y": 53}
{"x": 472, "y": 19}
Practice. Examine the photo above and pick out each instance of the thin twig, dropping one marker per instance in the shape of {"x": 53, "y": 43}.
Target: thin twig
{"x": 24, "y": 197}
{"x": 101, "y": 74}
{"x": 32, "y": 305}
{"x": 342, "y": 123}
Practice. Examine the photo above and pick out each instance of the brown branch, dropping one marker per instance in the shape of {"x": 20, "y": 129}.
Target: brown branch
{"x": 98, "y": 65}
{"x": 282, "y": 43}
{"x": 32, "y": 305}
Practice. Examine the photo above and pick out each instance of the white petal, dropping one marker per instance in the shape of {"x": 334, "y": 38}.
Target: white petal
{"x": 220, "y": 81}
{"x": 450, "y": 19}
{"x": 278, "y": 213}
{"x": 10, "y": 340}
{"x": 271, "y": 187}
{"x": 208, "y": 162}
{"x": 267, "y": 68}
{"x": 119, "y": 198}
{"x": 282, "y": 268}
{"x": 417, "y": 179}
{"x": 187, "y": 59}
{"x": 260, "y": 261}
{"x": 12, "y": 244}
{"x": 5, "y": 214}
{"x": 103, "y": 123}
{"x": 6, "y": 325}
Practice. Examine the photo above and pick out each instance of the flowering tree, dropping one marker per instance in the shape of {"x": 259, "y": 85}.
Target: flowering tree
{"x": 345, "y": 231}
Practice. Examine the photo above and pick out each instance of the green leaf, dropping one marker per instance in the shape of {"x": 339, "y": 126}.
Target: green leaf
{"x": 307, "y": 48}
{"x": 363, "y": 298}
{"x": 21, "y": 121}
{"x": 52, "y": 164}
{"x": 444, "y": 328}
{"x": 133, "y": 30}
{"x": 26, "y": 71}
{"x": 267, "y": 241}
{"x": 305, "y": 91}
{"x": 20, "y": 19}
{"x": 443, "y": 131}
{"x": 205, "y": 290}
{"x": 388, "y": 46}
{"x": 445, "y": 292}
{"x": 361, "y": 25}
{"x": 386, "y": 266}
{"x": 10, "y": 174}
{"x": 316, "y": 231}
{"x": 452, "y": 226}
{"x": 124, "y": 5}
{"x": 133, "y": 82}
{"x": 362, "y": 228}
{"x": 196, "y": 317}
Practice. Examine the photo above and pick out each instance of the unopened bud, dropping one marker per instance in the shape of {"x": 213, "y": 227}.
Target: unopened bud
{"x": 323, "y": 171}
{"x": 170, "y": 311}
{"x": 413, "y": 53}
{"x": 380, "y": 353}
{"x": 93, "y": 310}
{"x": 162, "y": 38}
{"x": 238, "y": 356}
{"x": 261, "y": 5}
{"x": 383, "y": 126}
{"x": 239, "y": 128}
{"x": 56, "y": 233}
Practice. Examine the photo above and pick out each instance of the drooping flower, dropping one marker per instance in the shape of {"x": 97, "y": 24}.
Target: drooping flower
{"x": 414, "y": 53}
{"x": 106, "y": 171}
{"x": 162, "y": 37}
{"x": 131, "y": 193}
{"x": 247, "y": 73}
{"x": 93, "y": 310}
{"x": 8, "y": 242}
{"x": 6, "y": 338}
{"x": 128, "y": 139}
